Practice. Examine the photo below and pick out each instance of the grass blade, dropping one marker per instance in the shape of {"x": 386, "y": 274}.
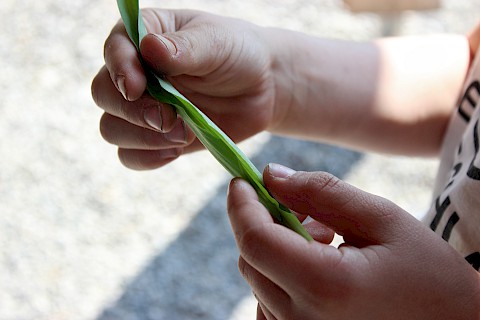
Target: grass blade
{"x": 212, "y": 137}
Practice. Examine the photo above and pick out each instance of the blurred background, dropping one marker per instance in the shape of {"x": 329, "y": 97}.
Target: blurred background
{"x": 82, "y": 237}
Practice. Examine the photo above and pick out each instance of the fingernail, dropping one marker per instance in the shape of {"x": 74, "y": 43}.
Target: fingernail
{"x": 178, "y": 133}
{"x": 120, "y": 80}
{"x": 153, "y": 118}
{"x": 167, "y": 43}
{"x": 279, "y": 171}
{"x": 233, "y": 184}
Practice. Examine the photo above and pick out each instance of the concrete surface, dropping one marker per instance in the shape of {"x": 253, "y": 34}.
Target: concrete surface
{"x": 81, "y": 237}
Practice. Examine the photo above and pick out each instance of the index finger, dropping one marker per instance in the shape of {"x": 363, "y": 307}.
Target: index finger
{"x": 121, "y": 56}
{"x": 278, "y": 253}
{"x": 123, "y": 64}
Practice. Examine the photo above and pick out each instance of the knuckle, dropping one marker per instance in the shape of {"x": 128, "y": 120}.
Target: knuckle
{"x": 328, "y": 181}
{"x": 386, "y": 210}
{"x": 98, "y": 87}
{"x": 242, "y": 267}
{"x": 110, "y": 42}
{"x": 105, "y": 127}
{"x": 324, "y": 190}
{"x": 149, "y": 139}
{"x": 321, "y": 182}
{"x": 130, "y": 159}
{"x": 245, "y": 270}
{"x": 123, "y": 157}
{"x": 154, "y": 20}
{"x": 249, "y": 243}
{"x": 94, "y": 91}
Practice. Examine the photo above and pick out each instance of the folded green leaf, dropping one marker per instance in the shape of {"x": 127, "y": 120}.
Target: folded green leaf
{"x": 212, "y": 137}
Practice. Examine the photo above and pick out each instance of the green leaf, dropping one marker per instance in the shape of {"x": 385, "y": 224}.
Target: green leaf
{"x": 212, "y": 137}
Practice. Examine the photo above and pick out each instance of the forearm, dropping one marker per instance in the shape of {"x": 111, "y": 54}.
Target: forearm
{"x": 389, "y": 95}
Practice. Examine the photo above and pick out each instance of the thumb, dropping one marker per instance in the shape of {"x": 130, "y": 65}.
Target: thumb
{"x": 159, "y": 52}
{"x": 361, "y": 218}
{"x": 182, "y": 52}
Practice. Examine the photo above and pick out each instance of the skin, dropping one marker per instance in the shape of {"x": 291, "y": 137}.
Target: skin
{"x": 297, "y": 85}
{"x": 259, "y": 76}
{"x": 375, "y": 274}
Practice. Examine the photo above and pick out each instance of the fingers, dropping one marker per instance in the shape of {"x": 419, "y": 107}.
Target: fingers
{"x": 261, "y": 313}
{"x": 361, "y": 218}
{"x": 145, "y": 149}
{"x": 195, "y": 47}
{"x": 273, "y": 299}
{"x": 121, "y": 56}
{"x": 121, "y": 60}
{"x": 275, "y": 251}
{"x": 242, "y": 199}
{"x": 145, "y": 112}
{"x": 181, "y": 42}
{"x": 182, "y": 52}
{"x": 148, "y": 159}
{"x": 119, "y": 89}
{"x": 143, "y": 129}
{"x": 125, "y": 135}
{"x": 319, "y": 232}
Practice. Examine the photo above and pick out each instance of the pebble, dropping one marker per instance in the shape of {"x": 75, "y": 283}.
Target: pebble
{"x": 82, "y": 237}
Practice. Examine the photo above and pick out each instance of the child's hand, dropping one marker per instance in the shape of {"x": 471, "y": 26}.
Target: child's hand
{"x": 220, "y": 64}
{"x": 390, "y": 267}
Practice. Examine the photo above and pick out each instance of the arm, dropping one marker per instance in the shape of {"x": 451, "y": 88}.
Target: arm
{"x": 389, "y": 95}
{"x": 347, "y": 92}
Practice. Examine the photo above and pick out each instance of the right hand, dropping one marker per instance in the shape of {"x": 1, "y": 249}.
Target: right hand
{"x": 388, "y": 258}
{"x": 222, "y": 65}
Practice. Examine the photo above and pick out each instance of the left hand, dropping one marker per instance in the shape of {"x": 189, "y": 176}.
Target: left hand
{"x": 223, "y": 65}
{"x": 390, "y": 266}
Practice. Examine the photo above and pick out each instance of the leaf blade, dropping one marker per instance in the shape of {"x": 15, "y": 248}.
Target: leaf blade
{"x": 213, "y": 138}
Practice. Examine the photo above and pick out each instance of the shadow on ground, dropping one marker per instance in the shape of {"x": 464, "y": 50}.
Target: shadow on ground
{"x": 196, "y": 277}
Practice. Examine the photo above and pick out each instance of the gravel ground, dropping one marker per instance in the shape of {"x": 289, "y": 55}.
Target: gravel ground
{"x": 81, "y": 237}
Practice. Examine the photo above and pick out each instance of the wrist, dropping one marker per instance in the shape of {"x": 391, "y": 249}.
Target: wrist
{"x": 282, "y": 74}
{"x": 320, "y": 90}
{"x": 298, "y": 82}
